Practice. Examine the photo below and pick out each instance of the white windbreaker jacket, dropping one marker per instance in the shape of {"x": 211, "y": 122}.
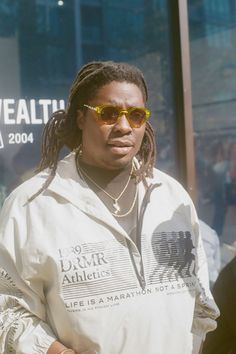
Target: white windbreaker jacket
{"x": 68, "y": 270}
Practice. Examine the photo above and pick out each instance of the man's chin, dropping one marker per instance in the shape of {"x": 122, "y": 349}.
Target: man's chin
{"x": 110, "y": 161}
{"x": 119, "y": 162}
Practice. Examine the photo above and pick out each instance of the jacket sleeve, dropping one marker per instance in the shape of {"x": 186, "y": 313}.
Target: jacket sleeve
{"x": 206, "y": 310}
{"x": 23, "y": 327}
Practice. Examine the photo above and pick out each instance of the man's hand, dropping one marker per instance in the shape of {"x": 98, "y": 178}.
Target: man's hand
{"x": 57, "y": 348}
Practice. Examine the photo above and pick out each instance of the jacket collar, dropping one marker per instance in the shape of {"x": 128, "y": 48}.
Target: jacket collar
{"x": 68, "y": 184}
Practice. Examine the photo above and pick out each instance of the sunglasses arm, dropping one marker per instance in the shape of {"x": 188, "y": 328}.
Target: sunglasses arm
{"x": 96, "y": 109}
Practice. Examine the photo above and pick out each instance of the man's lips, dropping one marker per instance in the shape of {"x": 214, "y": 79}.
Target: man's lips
{"x": 120, "y": 143}
{"x": 120, "y": 147}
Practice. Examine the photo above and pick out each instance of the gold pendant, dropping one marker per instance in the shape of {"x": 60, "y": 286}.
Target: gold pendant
{"x": 116, "y": 206}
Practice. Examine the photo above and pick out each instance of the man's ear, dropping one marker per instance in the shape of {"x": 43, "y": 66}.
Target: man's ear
{"x": 80, "y": 119}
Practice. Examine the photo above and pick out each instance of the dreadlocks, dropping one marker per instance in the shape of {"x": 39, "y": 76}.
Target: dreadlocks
{"x": 61, "y": 129}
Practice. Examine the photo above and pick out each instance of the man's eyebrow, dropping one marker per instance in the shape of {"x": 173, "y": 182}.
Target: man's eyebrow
{"x": 115, "y": 103}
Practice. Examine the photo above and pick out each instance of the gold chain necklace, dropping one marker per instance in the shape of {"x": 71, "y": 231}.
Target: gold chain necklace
{"x": 115, "y": 203}
{"x": 130, "y": 209}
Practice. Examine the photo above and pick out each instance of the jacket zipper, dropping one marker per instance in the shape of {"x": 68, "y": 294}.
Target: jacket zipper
{"x": 145, "y": 202}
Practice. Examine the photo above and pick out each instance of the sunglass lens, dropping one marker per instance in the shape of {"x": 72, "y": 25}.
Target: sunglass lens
{"x": 109, "y": 114}
{"x": 137, "y": 117}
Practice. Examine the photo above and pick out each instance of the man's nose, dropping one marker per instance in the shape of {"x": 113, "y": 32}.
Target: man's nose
{"x": 122, "y": 124}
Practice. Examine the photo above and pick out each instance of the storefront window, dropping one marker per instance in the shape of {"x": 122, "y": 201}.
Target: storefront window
{"x": 44, "y": 43}
{"x": 213, "y": 61}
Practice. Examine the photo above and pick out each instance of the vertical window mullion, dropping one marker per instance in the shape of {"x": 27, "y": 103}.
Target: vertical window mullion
{"x": 182, "y": 95}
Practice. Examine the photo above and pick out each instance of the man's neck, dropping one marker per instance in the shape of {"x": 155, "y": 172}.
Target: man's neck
{"x": 105, "y": 177}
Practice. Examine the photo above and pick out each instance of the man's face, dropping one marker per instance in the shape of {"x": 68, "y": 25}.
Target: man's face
{"x": 111, "y": 146}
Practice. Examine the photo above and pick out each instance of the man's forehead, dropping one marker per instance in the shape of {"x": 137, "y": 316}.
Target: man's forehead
{"x": 119, "y": 93}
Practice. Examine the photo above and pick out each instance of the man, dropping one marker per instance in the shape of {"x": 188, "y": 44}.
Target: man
{"x": 80, "y": 272}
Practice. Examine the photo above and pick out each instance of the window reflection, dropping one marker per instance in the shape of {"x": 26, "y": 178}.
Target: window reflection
{"x": 49, "y": 43}
{"x": 213, "y": 57}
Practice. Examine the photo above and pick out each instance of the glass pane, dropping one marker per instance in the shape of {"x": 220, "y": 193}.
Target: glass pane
{"x": 213, "y": 61}
{"x": 42, "y": 49}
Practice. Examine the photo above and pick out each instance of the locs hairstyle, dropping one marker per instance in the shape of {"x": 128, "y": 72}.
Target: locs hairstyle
{"x": 62, "y": 130}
